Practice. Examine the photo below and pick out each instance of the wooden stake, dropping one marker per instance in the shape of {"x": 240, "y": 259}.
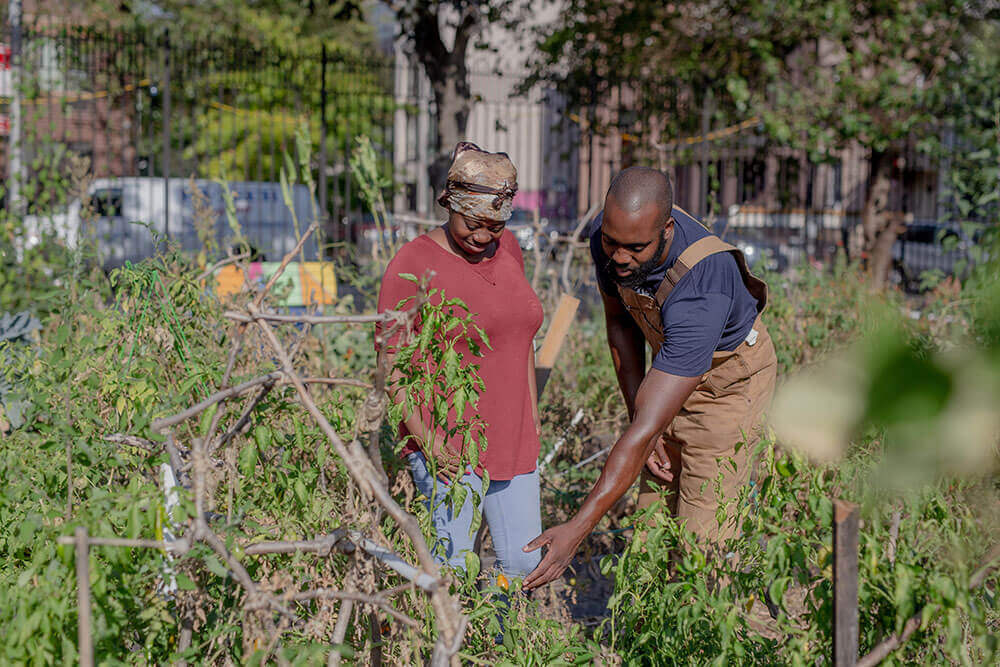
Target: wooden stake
{"x": 84, "y": 641}
{"x": 845, "y": 583}
{"x": 554, "y": 338}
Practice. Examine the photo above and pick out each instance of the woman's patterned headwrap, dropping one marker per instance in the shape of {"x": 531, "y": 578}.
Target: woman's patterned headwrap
{"x": 480, "y": 184}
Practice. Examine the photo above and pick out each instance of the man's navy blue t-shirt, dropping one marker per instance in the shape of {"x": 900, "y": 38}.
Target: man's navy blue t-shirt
{"x": 709, "y": 309}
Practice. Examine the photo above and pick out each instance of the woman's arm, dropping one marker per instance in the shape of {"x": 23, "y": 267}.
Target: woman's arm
{"x": 430, "y": 439}
{"x": 533, "y": 392}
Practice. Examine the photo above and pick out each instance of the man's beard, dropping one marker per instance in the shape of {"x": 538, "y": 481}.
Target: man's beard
{"x": 635, "y": 279}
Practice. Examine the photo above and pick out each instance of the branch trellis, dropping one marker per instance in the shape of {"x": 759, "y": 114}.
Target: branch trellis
{"x": 190, "y": 465}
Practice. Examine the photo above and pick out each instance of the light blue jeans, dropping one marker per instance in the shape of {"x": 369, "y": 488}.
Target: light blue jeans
{"x": 511, "y": 508}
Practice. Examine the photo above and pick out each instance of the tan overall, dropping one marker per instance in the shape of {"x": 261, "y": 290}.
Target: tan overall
{"x": 719, "y": 424}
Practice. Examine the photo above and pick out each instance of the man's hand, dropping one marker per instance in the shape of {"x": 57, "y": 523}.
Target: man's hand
{"x": 665, "y": 460}
{"x": 562, "y": 542}
{"x": 659, "y": 399}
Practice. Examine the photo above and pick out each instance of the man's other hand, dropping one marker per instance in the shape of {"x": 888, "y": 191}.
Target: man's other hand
{"x": 664, "y": 461}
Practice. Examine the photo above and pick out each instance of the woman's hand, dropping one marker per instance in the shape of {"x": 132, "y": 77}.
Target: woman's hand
{"x": 447, "y": 464}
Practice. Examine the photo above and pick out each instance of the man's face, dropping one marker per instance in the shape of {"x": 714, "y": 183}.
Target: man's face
{"x": 634, "y": 241}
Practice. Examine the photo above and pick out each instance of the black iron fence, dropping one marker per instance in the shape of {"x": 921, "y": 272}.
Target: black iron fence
{"x": 151, "y": 124}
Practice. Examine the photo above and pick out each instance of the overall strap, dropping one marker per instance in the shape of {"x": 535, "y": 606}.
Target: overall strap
{"x": 694, "y": 253}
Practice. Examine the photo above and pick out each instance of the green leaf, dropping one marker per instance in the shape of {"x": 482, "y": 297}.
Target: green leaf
{"x": 262, "y": 435}
{"x": 301, "y": 494}
{"x": 247, "y": 460}
{"x": 473, "y": 452}
{"x": 458, "y": 495}
{"x": 184, "y": 582}
{"x": 459, "y": 401}
{"x": 408, "y": 276}
{"x": 471, "y": 566}
{"x": 451, "y": 365}
{"x": 215, "y": 566}
{"x": 477, "y": 520}
{"x": 206, "y": 419}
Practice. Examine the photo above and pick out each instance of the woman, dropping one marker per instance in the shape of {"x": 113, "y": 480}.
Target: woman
{"x": 476, "y": 260}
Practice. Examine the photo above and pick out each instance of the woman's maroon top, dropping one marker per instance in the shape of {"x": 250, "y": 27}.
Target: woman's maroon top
{"x": 508, "y": 310}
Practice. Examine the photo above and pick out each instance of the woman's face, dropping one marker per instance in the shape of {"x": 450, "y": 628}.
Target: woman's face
{"x": 473, "y": 235}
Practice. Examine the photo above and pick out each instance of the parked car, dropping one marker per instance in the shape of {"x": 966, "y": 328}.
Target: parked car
{"x": 128, "y": 213}
{"x": 522, "y": 225}
{"x": 925, "y": 248}
{"x": 762, "y": 251}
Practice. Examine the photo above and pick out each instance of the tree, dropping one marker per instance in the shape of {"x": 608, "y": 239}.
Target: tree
{"x": 822, "y": 75}
{"x": 290, "y": 24}
{"x": 427, "y": 26}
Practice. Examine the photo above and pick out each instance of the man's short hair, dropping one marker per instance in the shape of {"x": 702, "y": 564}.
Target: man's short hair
{"x": 635, "y": 187}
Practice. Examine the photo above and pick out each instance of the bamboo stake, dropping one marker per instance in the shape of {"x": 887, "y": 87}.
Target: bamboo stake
{"x": 554, "y": 339}
{"x": 84, "y": 641}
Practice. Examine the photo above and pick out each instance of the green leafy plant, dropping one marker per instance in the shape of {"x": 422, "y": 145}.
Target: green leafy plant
{"x": 433, "y": 372}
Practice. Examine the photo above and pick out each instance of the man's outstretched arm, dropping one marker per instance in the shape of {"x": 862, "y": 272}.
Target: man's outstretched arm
{"x": 657, "y": 402}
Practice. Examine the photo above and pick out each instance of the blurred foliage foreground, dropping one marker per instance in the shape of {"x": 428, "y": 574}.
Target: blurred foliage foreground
{"x": 894, "y": 409}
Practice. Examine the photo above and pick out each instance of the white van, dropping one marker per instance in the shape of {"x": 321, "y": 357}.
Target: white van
{"x": 128, "y": 211}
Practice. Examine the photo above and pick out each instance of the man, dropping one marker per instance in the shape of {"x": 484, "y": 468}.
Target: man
{"x": 664, "y": 278}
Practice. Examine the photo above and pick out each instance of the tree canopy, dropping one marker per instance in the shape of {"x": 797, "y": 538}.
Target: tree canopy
{"x": 822, "y": 75}
{"x": 291, "y": 24}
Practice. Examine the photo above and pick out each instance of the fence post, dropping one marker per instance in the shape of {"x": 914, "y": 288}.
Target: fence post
{"x": 14, "y": 147}
{"x": 324, "y": 218}
{"x": 707, "y": 111}
{"x": 84, "y": 641}
{"x": 845, "y": 583}
{"x": 166, "y": 135}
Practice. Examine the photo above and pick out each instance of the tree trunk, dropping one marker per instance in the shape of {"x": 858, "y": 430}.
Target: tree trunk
{"x": 453, "y": 98}
{"x": 880, "y": 225}
{"x": 449, "y": 78}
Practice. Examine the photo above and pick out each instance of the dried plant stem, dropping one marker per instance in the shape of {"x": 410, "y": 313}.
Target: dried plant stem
{"x": 179, "y": 546}
{"x": 132, "y": 441}
{"x": 897, "y": 517}
{"x": 386, "y": 316}
{"x": 237, "y": 344}
{"x": 320, "y": 545}
{"x": 359, "y": 466}
{"x": 201, "y": 406}
{"x": 365, "y": 470}
{"x": 340, "y": 631}
{"x": 204, "y": 275}
{"x": 69, "y": 479}
{"x": 236, "y": 390}
{"x": 451, "y": 622}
